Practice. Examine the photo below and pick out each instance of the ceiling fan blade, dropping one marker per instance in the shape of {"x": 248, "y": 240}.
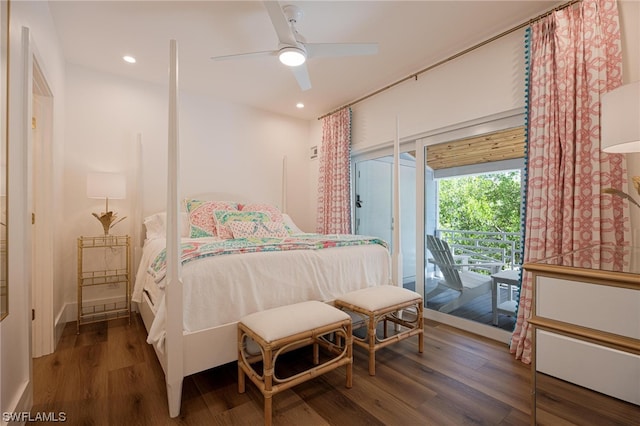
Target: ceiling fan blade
{"x": 302, "y": 76}
{"x": 341, "y": 49}
{"x": 244, "y": 55}
{"x": 280, "y": 23}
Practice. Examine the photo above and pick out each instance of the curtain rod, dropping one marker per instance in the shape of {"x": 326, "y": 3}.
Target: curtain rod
{"x": 454, "y": 56}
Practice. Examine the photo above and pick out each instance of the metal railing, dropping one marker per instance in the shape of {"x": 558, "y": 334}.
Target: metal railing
{"x": 485, "y": 246}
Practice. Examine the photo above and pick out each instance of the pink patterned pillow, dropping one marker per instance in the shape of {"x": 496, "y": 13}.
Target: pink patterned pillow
{"x": 201, "y": 216}
{"x": 257, "y": 229}
{"x": 271, "y": 210}
{"x": 223, "y": 217}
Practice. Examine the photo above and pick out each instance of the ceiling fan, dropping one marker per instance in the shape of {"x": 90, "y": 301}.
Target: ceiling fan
{"x": 293, "y": 50}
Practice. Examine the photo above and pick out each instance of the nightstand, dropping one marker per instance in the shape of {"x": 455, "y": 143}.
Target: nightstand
{"x": 104, "y": 266}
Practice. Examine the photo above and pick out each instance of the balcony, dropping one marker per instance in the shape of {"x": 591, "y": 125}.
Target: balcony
{"x": 477, "y": 247}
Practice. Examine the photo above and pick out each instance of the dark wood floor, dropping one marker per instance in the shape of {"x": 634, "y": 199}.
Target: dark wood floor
{"x": 108, "y": 375}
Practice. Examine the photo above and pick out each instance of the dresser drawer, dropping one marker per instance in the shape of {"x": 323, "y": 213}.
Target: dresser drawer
{"x": 611, "y": 309}
{"x": 603, "y": 369}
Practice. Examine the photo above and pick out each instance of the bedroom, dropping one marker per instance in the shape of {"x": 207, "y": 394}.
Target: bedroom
{"x": 84, "y": 97}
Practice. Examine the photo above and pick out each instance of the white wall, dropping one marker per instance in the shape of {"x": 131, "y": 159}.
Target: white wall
{"x": 486, "y": 81}
{"x": 225, "y": 148}
{"x": 15, "y": 329}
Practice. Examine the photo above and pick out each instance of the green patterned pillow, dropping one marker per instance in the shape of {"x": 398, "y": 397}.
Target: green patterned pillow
{"x": 201, "y": 221}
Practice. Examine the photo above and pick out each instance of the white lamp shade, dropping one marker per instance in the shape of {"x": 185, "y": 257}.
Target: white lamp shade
{"x": 106, "y": 185}
{"x": 620, "y": 119}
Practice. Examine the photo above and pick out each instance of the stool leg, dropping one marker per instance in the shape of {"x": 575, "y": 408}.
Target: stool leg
{"x": 421, "y": 325}
{"x": 268, "y": 402}
{"x": 348, "y": 341}
{"x": 267, "y": 372}
{"x": 241, "y": 382}
{"x": 372, "y": 346}
{"x": 241, "y": 377}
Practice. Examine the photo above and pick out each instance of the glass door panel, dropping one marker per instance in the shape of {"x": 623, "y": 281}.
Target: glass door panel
{"x": 472, "y": 216}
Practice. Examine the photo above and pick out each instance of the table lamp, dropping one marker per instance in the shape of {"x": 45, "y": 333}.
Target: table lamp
{"x": 107, "y": 185}
{"x": 620, "y": 127}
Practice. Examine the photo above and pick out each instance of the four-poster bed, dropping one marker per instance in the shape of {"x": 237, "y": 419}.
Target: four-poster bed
{"x": 218, "y": 289}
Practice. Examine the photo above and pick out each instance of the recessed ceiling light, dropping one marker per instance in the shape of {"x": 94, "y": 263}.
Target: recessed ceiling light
{"x": 299, "y": 105}
{"x": 129, "y": 59}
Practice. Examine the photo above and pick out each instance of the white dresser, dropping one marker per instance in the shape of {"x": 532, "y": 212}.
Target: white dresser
{"x": 586, "y": 321}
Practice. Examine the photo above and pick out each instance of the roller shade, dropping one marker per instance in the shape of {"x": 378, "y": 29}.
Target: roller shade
{"x": 503, "y": 145}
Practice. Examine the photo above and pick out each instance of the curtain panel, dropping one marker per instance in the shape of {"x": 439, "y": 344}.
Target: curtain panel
{"x": 334, "y": 175}
{"x": 574, "y": 57}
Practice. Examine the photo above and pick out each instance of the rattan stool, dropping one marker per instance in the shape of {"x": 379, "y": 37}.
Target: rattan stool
{"x": 281, "y": 329}
{"x": 384, "y": 303}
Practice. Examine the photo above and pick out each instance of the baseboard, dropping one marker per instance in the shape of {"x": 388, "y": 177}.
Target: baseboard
{"x": 71, "y": 309}
{"x": 22, "y": 405}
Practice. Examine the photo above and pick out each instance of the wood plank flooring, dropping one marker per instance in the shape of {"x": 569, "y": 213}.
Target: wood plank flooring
{"x": 109, "y": 375}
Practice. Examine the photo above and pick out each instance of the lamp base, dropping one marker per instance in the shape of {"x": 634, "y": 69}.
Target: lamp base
{"x": 107, "y": 220}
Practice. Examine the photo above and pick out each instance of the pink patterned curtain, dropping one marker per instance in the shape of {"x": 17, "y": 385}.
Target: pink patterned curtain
{"x": 334, "y": 181}
{"x": 575, "y": 57}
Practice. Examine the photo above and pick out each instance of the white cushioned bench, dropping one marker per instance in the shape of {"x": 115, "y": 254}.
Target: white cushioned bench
{"x": 281, "y": 329}
{"x": 386, "y": 303}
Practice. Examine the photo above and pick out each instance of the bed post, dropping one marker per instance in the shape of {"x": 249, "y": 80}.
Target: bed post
{"x": 138, "y": 238}
{"x": 396, "y": 260}
{"x": 283, "y": 207}
{"x": 173, "y": 293}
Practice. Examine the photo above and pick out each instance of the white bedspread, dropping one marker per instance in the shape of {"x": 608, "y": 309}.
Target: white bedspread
{"x": 221, "y": 289}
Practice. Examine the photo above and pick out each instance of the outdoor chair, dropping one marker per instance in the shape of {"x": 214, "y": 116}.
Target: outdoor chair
{"x": 459, "y": 276}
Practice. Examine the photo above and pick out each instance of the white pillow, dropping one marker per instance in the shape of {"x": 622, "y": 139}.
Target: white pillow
{"x": 156, "y": 225}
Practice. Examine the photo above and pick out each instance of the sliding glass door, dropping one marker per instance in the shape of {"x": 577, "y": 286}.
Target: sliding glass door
{"x": 432, "y": 195}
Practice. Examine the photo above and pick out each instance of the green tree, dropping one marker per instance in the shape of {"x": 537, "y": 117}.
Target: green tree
{"x": 488, "y": 202}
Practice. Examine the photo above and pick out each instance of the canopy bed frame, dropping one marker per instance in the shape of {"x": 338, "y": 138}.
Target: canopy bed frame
{"x": 183, "y": 351}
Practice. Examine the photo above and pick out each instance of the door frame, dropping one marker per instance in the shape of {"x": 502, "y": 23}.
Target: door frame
{"x": 43, "y": 338}
{"x": 419, "y": 142}
{"x": 489, "y": 124}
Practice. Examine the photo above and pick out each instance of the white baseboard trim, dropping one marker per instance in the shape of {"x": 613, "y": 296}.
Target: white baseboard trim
{"x": 71, "y": 309}
{"x": 58, "y": 326}
{"x": 23, "y": 403}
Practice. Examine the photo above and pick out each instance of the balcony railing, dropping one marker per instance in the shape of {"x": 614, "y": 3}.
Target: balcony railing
{"x": 502, "y": 247}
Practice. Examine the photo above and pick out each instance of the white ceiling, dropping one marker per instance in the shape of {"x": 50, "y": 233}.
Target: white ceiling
{"x": 411, "y": 36}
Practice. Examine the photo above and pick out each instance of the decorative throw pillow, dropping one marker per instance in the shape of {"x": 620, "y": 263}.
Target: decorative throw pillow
{"x": 222, "y": 217}
{"x": 201, "y": 216}
{"x": 271, "y": 210}
{"x": 257, "y": 229}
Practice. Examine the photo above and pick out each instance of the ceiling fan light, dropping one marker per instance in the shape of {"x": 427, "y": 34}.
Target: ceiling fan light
{"x": 292, "y": 56}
